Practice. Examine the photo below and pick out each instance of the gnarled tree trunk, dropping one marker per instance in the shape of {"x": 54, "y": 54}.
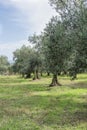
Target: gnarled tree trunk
{"x": 55, "y": 81}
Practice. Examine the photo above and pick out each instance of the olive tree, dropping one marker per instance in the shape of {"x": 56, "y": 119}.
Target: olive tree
{"x": 55, "y": 48}
{"x": 4, "y": 65}
{"x": 74, "y": 16}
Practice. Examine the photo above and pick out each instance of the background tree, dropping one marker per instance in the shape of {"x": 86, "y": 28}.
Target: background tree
{"x": 4, "y": 65}
{"x": 35, "y": 63}
{"x": 26, "y": 62}
{"x": 21, "y": 57}
{"x": 36, "y": 41}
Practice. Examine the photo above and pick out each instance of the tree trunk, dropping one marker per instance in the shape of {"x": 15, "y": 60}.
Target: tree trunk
{"x": 41, "y": 74}
{"x": 55, "y": 81}
{"x": 34, "y": 78}
{"x": 36, "y": 75}
{"x": 74, "y": 77}
{"x": 48, "y": 74}
{"x": 28, "y": 76}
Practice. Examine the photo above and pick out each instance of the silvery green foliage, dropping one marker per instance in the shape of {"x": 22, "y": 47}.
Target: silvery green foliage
{"x": 65, "y": 38}
{"x": 4, "y": 65}
{"x": 55, "y": 45}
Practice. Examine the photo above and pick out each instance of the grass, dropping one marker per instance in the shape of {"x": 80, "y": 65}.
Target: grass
{"x": 32, "y": 105}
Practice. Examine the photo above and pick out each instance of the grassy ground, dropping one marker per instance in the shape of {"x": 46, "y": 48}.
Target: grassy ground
{"x": 32, "y": 105}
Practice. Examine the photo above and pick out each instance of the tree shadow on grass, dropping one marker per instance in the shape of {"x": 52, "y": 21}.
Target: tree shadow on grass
{"x": 82, "y": 85}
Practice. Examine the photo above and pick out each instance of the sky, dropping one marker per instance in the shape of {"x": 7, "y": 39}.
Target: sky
{"x": 20, "y": 19}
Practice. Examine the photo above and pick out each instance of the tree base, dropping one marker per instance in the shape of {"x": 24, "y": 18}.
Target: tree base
{"x": 55, "y": 81}
{"x": 36, "y": 78}
{"x": 52, "y": 84}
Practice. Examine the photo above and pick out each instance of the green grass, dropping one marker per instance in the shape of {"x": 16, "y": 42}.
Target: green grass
{"x": 32, "y": 105}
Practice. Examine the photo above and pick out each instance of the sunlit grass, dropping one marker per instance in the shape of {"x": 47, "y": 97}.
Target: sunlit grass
{"x": 32, "y": 105}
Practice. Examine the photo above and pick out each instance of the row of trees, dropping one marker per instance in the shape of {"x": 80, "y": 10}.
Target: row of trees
{"x": 60, "y": 48}
{"x": 26, "y": 62}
